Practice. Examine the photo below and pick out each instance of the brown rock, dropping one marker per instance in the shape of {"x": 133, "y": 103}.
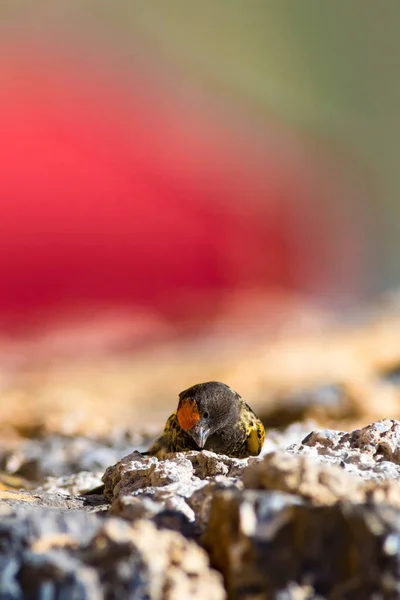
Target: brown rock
{"x": 381, "y": 439}
{"x": 317, "y": 482}
{"x": 266, "y": 543}
{"x": 178, "y": 568}
{"x": 371, "y": 453}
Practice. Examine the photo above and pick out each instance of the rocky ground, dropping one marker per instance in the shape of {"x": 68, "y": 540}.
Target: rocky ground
{"x": 319, "y": 518}
{"x": 316, "y": 515}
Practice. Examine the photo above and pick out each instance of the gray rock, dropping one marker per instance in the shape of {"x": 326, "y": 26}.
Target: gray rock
{"x": 52, "y": 554}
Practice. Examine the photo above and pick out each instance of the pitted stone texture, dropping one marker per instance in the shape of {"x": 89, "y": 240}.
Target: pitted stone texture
{"x": 321, "y": 484}
{"x": 372, "y": 453}
{"x": 208, "y": 464}
{"x": 136, "y": 473}
{"x": 318, "y": 482}
{"x": 181, "y": 483}
{"x": 167, "y": 509}
{"x": 269, "y": 544}
{"x": 381, "y": 439}
{"x": 52, "y": 554}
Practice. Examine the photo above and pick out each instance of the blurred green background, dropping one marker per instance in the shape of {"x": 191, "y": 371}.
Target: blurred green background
{"x": 329, "y": 69}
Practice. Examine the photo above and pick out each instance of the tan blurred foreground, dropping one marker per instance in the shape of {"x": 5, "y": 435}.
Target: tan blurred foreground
{"x": 300, "y": 364}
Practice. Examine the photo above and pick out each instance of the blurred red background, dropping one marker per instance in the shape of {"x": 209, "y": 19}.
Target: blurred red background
{"x": 136, "y": 192}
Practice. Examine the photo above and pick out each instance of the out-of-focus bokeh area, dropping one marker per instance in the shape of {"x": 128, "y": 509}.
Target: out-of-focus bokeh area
{"x": 193, "y": 191}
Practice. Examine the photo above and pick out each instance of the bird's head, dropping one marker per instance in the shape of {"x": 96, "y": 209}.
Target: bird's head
{"x": 206, "y": 408}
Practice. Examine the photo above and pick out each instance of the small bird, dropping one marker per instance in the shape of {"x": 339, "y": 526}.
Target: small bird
{"x": 211, "y": 416}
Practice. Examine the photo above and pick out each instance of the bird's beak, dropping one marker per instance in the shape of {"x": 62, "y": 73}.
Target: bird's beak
{"x": 200, "y": 433}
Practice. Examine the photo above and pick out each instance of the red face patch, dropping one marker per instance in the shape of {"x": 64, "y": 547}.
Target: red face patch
{"x": 188, "y": 414}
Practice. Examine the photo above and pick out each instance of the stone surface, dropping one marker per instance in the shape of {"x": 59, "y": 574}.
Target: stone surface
{"x": 51, "y": 554}
{"x": 268, "y": 544}
{"x": 316, "y": 515}
{"x": 314, "y": 481}
{"x": 330, "y": 466}
{"x": 371, "y": 453}
{"x": 183, "y": 483}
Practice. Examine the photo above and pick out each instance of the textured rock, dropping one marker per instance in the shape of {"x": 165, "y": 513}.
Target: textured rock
{"x": 50, "y": 554}
{"x": 268, "y": 543}
{"x": 328, "y": 467}
{"x": 316, "y": 481}
{"x": 371, "y": 453}
{"x": 331, "y": 465}
{"x": 208, "y": 464}
{"x": 320, "y": 483}
{"x": 136, "y": 472}
{"x": 304, "y": 522}
{"x": 380, "y": 439}
{"x": 183, "y": 483}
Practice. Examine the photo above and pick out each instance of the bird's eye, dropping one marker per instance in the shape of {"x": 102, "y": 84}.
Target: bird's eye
{"x": 205, "y": 415}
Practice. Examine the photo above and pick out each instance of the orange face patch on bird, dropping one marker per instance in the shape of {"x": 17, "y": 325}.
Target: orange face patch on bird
{"x": 188, "y": 414}
{"x": 191, "y": 421}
